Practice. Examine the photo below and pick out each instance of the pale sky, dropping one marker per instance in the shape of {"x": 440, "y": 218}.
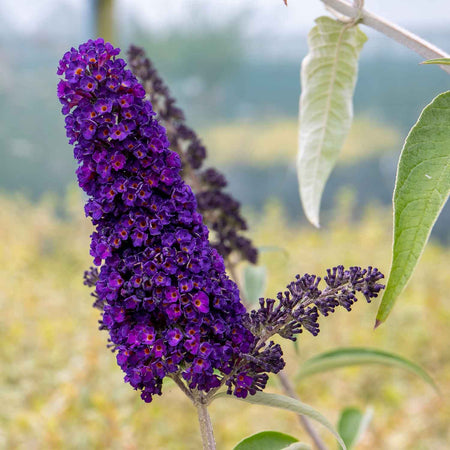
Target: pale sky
{"x": 26, "y": 16}
{"x": 272, "y": 14}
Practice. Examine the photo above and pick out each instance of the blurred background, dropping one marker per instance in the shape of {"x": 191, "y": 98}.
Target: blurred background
{"x": 234, "y": 67}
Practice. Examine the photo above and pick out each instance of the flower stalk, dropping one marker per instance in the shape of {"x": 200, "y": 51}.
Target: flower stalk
{"x": 304, "y": 422}
{"x": 205, "y": 424}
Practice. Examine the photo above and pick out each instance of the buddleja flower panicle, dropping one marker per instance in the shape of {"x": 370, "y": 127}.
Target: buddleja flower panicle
{"x": 300, "y": 306}
{"x": 166, "y": 301}
{"x": 221, "y": 211}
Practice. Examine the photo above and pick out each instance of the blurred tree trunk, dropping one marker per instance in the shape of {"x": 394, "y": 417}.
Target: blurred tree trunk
{"x": 104, "y": 19}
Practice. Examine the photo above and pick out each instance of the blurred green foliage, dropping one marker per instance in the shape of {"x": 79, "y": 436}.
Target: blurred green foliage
{"x": 61, "y": 388}
{"x": 211, "y": 54}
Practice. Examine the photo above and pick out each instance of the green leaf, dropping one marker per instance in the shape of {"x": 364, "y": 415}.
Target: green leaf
{"x": 422, "y": 187}
{"x": 344, "y": 357}
{"x": 328, "y": 78}
{"x": 254, "y": 283}
{"x": 352, "y": 425}
{"x": 266, "y": 440}
{"x": 290, "y": 404}
{"x": 441, "y": 61}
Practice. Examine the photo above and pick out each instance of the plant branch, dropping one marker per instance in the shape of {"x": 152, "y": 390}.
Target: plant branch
{"x": 289, "y": 390}
{"x": 206, "y": 428}
{"x": 389, "y": 29}
{"x": 181, "y": 385}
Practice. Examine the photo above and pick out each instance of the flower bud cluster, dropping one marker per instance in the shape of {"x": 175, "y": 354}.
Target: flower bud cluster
{"x": 168, "y": 305}
{"x": 300, "y": 306}
{"x": 220, "y": 210}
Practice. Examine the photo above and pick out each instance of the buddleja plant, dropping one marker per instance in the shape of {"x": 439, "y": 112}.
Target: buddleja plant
{"x": 166, "y": 300}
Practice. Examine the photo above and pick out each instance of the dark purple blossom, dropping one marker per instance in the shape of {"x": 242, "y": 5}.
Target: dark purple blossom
{"x": 167, "y": 303}
{"x": 299, "y": 307}
{"x": 221, "y": 212}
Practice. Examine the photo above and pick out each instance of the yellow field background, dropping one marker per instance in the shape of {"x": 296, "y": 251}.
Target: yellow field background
{"x": 60, "y": 387}
{"x": 264, "y": 142}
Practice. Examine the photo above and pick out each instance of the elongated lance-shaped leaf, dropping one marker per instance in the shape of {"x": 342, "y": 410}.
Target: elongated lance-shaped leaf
{"x": 353, "y": 356}
{"x": 440, "y": 61}
{"x": 328, "y": 78}
{"x": 421, "y": 189}
{"x": 266, "y": 440}
{"x": 353, "y": 424}
{"x": 290, "y": 404}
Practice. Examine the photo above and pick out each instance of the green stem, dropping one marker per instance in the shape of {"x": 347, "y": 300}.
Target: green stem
{"x": 206, "y": 428}
{"x": 289, "y": 390}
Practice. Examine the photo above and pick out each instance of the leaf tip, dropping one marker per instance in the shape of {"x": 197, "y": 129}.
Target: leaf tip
{"x": 439, "y": 61}
{"x": 378, "y": 322}
{"x": 436, "y": 388}
{"x": 313, "y": 219}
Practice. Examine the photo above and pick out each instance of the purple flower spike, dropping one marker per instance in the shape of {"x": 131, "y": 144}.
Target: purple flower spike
{"x": 166, "y": 301}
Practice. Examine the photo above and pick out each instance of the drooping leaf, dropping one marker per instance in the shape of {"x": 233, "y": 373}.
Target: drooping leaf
{"x": 254, "y": 283}
{"x": 266, "y": 440}
{"x": 440, "y": 61}
{"x": 328, "y": 78}
{"x": 421, "y": 189}
{"x": 353, "y": 356}
{"x": 352, "y": 425}
{"x": 287, "y": 403}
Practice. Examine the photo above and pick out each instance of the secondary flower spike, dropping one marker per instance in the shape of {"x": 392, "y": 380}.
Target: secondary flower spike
{"x": 167, "y": 302}
{"x": 220, "y": 210}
